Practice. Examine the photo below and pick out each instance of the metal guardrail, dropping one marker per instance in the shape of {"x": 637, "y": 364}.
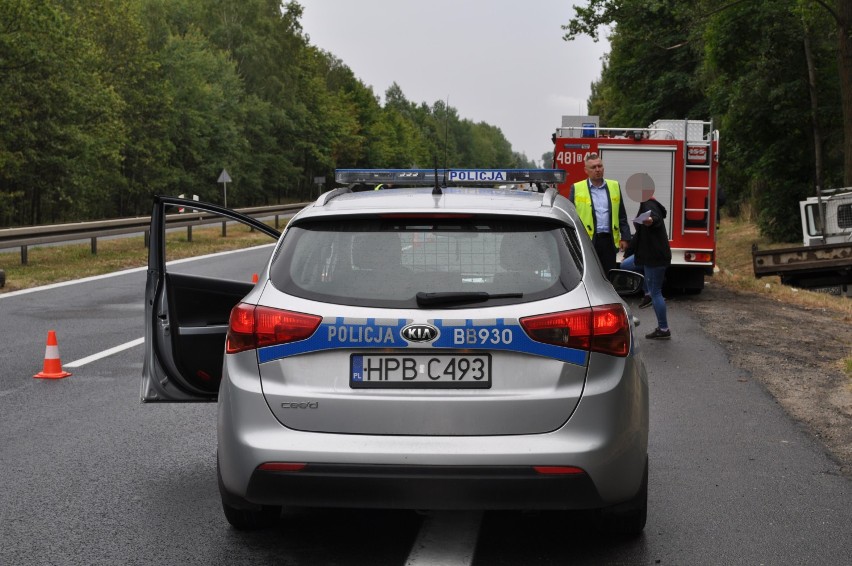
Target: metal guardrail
{"x": 59, "y": 233}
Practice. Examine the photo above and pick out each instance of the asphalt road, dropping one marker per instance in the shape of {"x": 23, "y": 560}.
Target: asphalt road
{"x": 91, "y": 476}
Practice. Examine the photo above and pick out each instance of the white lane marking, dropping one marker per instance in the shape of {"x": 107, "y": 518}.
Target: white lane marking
{"x": 131, "y": 344}
{"x": 105, "y": 353}
{"x": 118, "y": 273}
{"x": 447, "y": 538}
{"x": 72, "y": 282}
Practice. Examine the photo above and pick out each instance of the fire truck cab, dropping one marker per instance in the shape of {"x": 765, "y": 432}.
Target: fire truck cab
{"x": 677, "y": 159}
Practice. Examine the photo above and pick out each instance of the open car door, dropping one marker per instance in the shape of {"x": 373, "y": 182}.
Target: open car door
{"x": 187, "y": 308}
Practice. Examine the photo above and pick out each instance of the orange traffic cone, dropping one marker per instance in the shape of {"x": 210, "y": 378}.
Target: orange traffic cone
{"x": 52, "y": 364}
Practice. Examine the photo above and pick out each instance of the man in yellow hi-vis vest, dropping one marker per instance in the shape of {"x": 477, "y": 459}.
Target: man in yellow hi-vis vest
{"x": 595, "y": 199}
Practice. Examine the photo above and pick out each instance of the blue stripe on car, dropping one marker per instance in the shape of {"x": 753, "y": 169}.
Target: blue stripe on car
{"x": 461, "y": 334}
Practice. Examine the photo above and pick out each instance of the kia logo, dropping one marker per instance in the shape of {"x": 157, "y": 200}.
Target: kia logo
{"x": 419, "y": 332}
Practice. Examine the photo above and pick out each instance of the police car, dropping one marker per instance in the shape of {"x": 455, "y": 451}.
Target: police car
{"x": 441, "y": 344}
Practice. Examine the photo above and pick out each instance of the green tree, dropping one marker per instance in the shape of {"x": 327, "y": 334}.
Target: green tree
{"x": 60, "y": 133}
{"x": 108, "y": 102}
{"x": 743, "y": 63}
{"x": 129, "y": 66}
{"x": 204, "y": 121}
{"x": 651, "y": 70}
{"x": 265, "y": 42}
{"x": 760, "y": 91}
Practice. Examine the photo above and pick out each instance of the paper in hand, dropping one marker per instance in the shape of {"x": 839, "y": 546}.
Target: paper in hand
{"x": 642, "y": 217}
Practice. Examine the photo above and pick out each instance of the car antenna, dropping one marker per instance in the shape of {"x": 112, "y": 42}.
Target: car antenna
{"x": 446, "y": 132}
{"x": 437, "y": 190}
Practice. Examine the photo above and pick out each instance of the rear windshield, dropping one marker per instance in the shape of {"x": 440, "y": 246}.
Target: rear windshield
{"x": 386, "y": 263}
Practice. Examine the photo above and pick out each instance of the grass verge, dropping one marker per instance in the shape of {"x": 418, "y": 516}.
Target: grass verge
{"x": 55, "y": 264}
{"x": 735, "y": 271}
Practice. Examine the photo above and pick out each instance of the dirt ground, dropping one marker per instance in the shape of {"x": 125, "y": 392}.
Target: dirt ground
{"x": 794, "y": 352}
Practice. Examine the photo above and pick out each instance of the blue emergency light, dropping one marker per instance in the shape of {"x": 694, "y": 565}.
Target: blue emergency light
{"x": 447, "y": 177}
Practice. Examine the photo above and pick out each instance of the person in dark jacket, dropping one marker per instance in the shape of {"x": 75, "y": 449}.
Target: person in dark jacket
{"x": 652, "y": 256}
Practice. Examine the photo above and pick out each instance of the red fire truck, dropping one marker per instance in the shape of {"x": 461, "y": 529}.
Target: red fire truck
{"x": 677, "y": 159}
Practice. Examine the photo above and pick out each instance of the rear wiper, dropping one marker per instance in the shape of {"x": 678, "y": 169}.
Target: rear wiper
{"x": 427, "y": 299}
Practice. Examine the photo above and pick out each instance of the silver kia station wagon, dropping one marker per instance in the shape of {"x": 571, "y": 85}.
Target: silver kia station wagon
{"x": 424, "y": 339}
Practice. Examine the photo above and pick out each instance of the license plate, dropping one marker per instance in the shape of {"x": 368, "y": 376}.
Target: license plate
{"x": 424, "y": 371}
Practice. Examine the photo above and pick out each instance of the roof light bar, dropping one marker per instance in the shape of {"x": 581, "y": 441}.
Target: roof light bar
{"x": 426, "y": 177}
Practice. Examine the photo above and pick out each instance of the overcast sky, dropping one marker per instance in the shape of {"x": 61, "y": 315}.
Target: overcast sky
{"x": 503, "y": 62}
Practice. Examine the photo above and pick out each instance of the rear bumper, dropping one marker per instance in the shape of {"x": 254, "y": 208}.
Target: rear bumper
{"x": 607, "y": 437}
{"x": 423, "y": 487}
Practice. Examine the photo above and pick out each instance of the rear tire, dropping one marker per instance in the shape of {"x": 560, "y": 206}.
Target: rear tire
{"x": 243, "y": 515}
{"x": 251, "y": 519}
{"x": 629, "y": 518}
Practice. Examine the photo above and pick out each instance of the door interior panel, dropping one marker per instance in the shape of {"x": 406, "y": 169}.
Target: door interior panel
{"x": 201, "y": 307}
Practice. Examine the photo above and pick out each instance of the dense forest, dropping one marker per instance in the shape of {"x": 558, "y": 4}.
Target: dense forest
{"x": 775, "y": 76}
{"x": 108, "y": 102}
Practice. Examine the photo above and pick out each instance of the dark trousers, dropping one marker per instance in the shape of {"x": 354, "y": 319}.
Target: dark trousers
{"x": 605, "y": 248}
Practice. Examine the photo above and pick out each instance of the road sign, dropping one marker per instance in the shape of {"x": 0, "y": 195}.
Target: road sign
{"x": 224, "y": 178}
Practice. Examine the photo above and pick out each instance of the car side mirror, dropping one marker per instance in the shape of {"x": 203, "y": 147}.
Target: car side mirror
{"x": 625, "y": 282}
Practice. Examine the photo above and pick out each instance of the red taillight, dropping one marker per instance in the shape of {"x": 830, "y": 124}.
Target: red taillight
{"x": 612, "y": 330}
{"x": 254, "y": 327}
{"x": 600, "y": 329}
{"x": 282, "y": 467}
{"x": 559, "y": 470}
{"x": 572, "y": 329}
{"x": 700, "y": 257}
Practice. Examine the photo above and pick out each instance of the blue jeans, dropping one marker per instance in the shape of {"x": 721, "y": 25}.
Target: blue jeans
{"x": 653, "y": 286}
{"x": 654, "y": 277}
